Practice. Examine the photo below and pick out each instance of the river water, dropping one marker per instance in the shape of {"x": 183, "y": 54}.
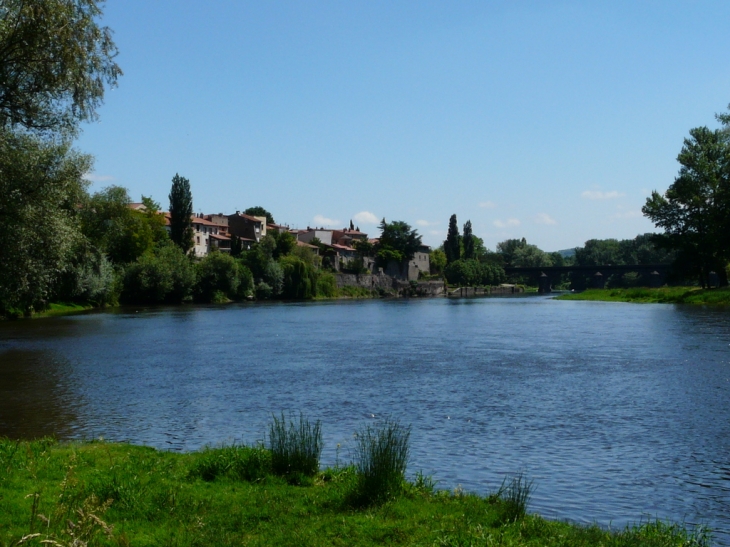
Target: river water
{"x": 618, "y": 412}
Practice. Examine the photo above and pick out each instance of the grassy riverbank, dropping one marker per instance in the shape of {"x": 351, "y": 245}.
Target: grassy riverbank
{"x": 665, "y": 295}
{"x": 119, "y": 494}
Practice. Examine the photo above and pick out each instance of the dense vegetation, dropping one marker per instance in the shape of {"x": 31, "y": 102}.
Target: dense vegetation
{"x": 118, "y": 494}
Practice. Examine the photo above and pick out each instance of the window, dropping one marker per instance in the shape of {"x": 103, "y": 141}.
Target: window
{"x": 198, "y": 240}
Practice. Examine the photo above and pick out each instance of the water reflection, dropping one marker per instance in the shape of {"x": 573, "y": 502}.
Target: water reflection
{"x": 37, "y": 398}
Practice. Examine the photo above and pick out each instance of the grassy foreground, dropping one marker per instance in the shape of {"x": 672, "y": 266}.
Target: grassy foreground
{"x": 665, "y": 295}
{"x": 118, "y": 494}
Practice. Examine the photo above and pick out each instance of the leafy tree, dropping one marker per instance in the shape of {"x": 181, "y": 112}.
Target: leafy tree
{"x": 695, "y": 210}
{"x": 468, "y": 241}
{"x": 463, "y": 272}
{"x": 300, "y": 279}
{"x": 41, "y": 185}
{"x": 452, "y": 245}
{"x": 273, "y": 276}
{"x": 364, "y": 248}
{"x": 54, "y": 62}
{"x": 259, "y": 211}
{"x": 165, "y": 276}
{"x": 508, "y": 247}
{"x": 285, "y": 243}
{"x": 397, "y": 241}
{"x": 181, "y": 212}
{"x": 437, "y": 260}
{"x": 155, "y": 219}
{"x": 530, "y": 256}
{"x": 217, "y": 278}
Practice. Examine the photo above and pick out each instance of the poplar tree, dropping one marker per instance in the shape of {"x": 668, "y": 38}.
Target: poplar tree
{"x": 181, "y": 212}
{"x": 452, "y": 245}
{"x": 468, "y": 239}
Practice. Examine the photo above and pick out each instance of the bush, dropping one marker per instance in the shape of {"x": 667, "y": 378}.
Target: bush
{"x": 381, "y": 460}
{"x": 247, "y": 463}
{"x": 273, "y": 276}
{"x": 300, "y": 280}
{"x": 165, "y": 276}
{"x": 217, "y": 278}
{"x": 295, "y": 447}
{"x": 245, "y": 282}
{"x": 470, "y": 272}
{"x": 326, "y": 285}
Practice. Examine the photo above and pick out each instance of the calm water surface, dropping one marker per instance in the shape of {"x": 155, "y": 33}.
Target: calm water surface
{"x": 619, "y": 412}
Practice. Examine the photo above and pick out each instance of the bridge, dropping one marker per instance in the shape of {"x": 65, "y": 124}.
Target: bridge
{"x": 656, "y": 273}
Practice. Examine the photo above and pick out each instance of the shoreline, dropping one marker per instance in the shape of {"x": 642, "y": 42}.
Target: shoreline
{"x": 664, "y": 295}
{"x": 122, "y": 494}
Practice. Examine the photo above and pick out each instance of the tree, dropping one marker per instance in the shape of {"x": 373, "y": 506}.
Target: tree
{"x": 695, "y": 210}
{"x": 181, "y": 212}
{"x": 508, "y": 247}
{"x": 54, "y": 63}
{"x": 41, "y": 185}
{"x": 397, "y": 241}
{"x": 468, "y": 241}
{"x": 452, "y": 245}
{"x": 437, "y": 261}
{"x": 530, "y": 256}
{"x": 216, "y": 278}
{"x": 163, "y": 276}
{"x": 259, "y": 211}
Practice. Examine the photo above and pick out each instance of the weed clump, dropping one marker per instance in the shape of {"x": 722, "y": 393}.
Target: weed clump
{"x": 295, "y": 447}
{"x": 245, "y": 463}
{"x": 381, "y": 459}
{"x": 515, "y": 494}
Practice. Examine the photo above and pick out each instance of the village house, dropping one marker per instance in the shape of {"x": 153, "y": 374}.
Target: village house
{"x": 246, "y": 226}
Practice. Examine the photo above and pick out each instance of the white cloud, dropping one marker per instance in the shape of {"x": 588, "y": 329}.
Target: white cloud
{"x": 320, "y": 220}
{"x": 366, "y": 217}
{"x": 598, "y": 194}
{"x": 425, "y": 223}
{"x": 436, "y": 232}
{"x": 487, "y": 204}
{"x": 544, "y": 218}
{"x": 509, "y": 223}
{"x": 93, "y": 177}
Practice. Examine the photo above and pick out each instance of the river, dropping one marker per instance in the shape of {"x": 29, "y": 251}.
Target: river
{"x": 618, "y": 412}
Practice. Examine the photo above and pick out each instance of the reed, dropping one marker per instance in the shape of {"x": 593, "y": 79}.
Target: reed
{"x": 381, "y": 459}
{"x": 295, "y": 446}
{"x": 515, "y": 494}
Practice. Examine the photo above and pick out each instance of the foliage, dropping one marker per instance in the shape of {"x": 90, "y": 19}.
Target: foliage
{"x": 664, "y": 295}
{"x": 54, "y": 62}
{"x": 508, "y": 247}
{"x": 397, "y": 241}
{"x": 364, "y": 248}
{"x": 452, "y": 245}
{"x": 165, "y": 276}
{"x": 467, "y": 241}
{"x": 217, "y": 278}
{"x": 530, "y": 256}
{"x": 515, "y": 492}
{"x": 273, "y": 276}
{"x": 259, "y": 211}
{"x": 326, "y": 285}
{"x": 437, "y": 261}
{"x": 285, "y": 243}
{"x": 295, "y": 446}
{"x": 381, "y": 459}
{"x": 300, "y": 279}
{"x": 181, "y": 212}
{"x": 694, "y": 212}
{"x": 41, "y": 184}
{"x": 245, "y": 282}
{"x": 263, "y": 291}
{"x": 468, "y": 273}
{"x": 90, "y": 277}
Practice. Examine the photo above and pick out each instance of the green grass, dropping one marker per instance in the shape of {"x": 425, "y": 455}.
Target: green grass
{"x": 665, "y": 295}
{"x": 355, "y": 292}
{"x": 118, "y": 494}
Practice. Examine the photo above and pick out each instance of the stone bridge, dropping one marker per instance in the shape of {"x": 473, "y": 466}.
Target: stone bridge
{"x": 656, "y": 273}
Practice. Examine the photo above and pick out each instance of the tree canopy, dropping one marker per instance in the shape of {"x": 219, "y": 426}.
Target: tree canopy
{"x": 181, "y": 212}
{"x": 452, "y": 245}
{"x": 397, "y": 241}
{"x": 259, "y": 211}
{"x": 55, "y": 60}
{"x": 695, "y": 210}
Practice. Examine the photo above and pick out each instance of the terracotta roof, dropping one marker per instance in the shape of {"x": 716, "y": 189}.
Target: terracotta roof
{"x": 302, "y": 244}
{"x": 219, "y": 236}
{"x": 198, "y": 220}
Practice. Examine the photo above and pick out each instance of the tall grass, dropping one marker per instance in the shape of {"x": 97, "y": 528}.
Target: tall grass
{"x": 295, "y": 446}
{"x": 515, "y": 494}
{"x": 246, "y": 463}
{"x": 381, "y": 459}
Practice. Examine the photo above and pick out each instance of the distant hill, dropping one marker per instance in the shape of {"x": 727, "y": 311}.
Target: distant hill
{"x": 567, "y": 253}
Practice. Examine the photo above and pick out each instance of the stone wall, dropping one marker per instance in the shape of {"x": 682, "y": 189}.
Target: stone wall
{"x": 366, "y": 281}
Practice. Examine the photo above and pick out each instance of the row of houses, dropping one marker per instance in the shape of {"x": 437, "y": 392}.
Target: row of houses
{"x": 336, "y": 246}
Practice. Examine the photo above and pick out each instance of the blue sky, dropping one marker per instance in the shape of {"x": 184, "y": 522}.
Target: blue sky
{"x": 546, "y": 120}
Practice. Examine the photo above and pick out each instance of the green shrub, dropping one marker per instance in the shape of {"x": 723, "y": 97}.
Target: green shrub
{"x": 295, "y": 447}
{"x": 246, "y": 463}
{"x": 381, "y": 460}
{"x": 326, "y": 285}
{"x": 299, "y": 279}
{"x": 217, "y": 278}
{"x": 164, "y": 276}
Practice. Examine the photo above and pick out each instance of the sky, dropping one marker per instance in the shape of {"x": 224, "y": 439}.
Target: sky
{"x": 548, "y": 120}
